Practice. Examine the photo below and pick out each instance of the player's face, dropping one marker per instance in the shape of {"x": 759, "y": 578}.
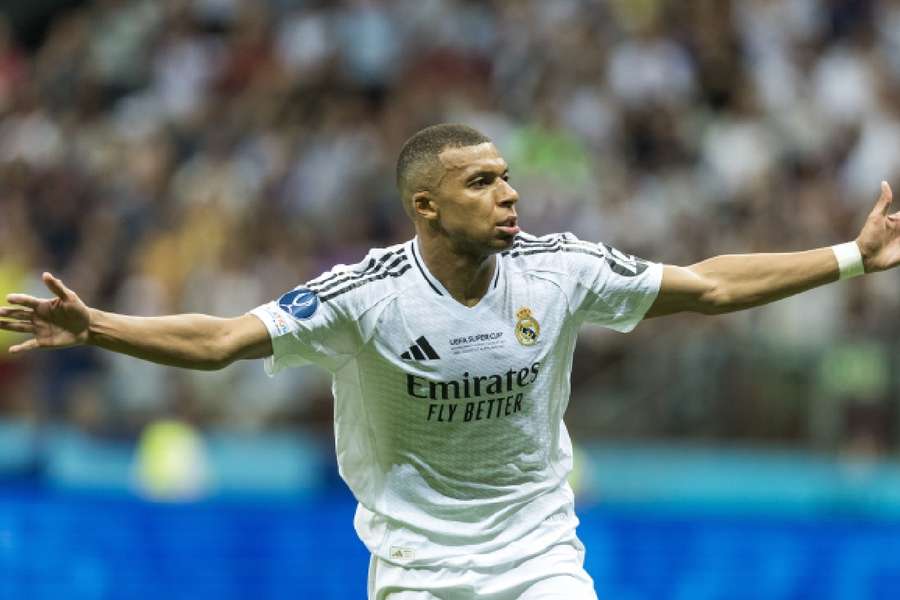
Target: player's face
{"x": 473, "y": 200}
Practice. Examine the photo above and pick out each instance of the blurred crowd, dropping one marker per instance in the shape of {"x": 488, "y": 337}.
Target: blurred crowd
{"x": 167, "y": 156}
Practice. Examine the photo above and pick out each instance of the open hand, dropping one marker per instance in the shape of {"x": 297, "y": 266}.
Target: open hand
{"x": 57, "y": 322}
{"x": 879, "y": 240}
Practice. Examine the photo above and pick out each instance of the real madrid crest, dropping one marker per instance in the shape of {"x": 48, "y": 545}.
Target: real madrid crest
{"x": 527, "y": 327}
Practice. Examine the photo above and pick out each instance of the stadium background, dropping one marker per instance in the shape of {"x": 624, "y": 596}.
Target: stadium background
{"x": 206, "y": 155}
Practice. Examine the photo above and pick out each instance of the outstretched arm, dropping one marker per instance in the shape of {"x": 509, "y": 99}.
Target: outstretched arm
{"x": 735, "y": 282}
{"x": 191, "y": 341}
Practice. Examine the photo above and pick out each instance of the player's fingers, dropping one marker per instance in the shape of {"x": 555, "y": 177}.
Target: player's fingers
{"x": 9, "y": 312}
{"x": 56, "y": 286}
{"x": 23, "y": 300}
{"x": 31, "y": 344}
{"x": 884, "y": 201}
{"x": 17, "y": 326}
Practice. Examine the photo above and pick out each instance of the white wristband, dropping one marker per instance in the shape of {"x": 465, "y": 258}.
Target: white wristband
{"x": 849, "y": 259}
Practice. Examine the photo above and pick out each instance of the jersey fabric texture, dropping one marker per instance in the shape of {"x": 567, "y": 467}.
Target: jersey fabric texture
{"x": 449, "y": 419}
{"x": 555, "y": 574}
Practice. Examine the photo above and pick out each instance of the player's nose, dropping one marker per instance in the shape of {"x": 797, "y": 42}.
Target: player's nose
{"x": 508, "y": 194}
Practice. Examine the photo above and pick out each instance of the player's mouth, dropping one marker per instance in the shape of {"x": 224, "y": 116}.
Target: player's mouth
{"x": 508, "y": 226}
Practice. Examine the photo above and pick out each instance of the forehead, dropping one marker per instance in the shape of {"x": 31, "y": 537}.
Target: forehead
{"x": 472, "y": 159}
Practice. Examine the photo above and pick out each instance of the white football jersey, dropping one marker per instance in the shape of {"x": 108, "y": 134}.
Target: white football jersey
{"x": 449, "y": 419}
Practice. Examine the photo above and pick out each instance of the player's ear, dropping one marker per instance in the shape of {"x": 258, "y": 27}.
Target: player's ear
{"x": 424, "y": 206}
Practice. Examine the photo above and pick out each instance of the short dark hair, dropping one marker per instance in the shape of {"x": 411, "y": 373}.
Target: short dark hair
{"x": 426, "y": 145}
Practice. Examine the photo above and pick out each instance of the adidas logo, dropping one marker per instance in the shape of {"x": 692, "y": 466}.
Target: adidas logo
{"x": 421, "y": 350}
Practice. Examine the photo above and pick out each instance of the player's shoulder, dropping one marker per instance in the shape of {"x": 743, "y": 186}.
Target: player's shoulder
{"x": 554, "y": 252}
{"x": 567, "y": 256}
{"x": 383, "y": 272}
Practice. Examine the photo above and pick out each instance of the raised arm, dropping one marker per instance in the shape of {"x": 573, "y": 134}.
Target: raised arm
{"x": 735, "y": 282}
{"x": 190, "y": 341}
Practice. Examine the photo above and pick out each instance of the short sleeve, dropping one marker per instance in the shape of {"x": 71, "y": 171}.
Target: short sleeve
{"x": 307, "y": 330}
{"x": 615, "y": 289}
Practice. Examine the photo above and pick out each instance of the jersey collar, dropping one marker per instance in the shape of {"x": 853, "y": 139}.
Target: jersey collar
{"x": 433, "y": 281}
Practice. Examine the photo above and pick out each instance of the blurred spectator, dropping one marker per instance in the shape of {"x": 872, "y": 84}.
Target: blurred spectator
{"x": 206, "y": 155}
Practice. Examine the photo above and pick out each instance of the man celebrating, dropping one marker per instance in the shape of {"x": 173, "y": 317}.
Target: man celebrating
{"x": 451, "y": 356}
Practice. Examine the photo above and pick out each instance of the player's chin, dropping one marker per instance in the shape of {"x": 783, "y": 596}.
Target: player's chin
{"x": 491, "y": 242}
{"x": 502, "y": 241}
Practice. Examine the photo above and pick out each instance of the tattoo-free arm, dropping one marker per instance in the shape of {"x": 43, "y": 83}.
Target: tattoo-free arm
{"x": 735, "y": 282}
{"x": 189, "y": 341}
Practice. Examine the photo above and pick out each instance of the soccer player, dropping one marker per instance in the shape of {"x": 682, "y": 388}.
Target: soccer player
{"x": 451, "y": 356}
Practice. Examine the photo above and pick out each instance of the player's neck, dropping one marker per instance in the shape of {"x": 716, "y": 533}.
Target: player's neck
{"x": 466, "y": 276}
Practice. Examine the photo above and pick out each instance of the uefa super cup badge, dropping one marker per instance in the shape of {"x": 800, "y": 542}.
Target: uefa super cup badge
{"x": 527, "y": 327}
